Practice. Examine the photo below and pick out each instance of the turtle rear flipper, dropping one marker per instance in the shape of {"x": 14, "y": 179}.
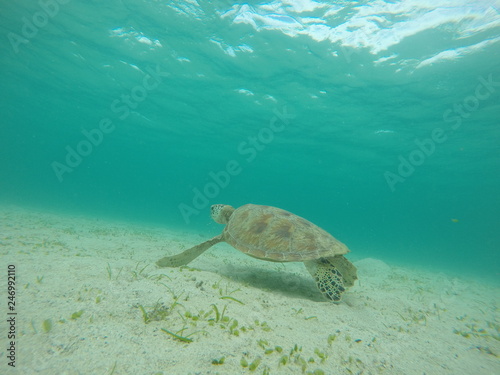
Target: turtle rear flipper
{"x": 332, "y": 275}
{"x": 347, "y": 269}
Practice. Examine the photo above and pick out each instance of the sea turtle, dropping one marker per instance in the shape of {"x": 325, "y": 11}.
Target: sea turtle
{"x": 276, "y": 235}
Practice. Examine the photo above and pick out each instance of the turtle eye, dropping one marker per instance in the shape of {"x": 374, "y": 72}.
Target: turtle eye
{"x": 215, "y": 209}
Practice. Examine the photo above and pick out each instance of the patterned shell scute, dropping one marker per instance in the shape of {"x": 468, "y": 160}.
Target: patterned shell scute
{"x": 274, "y": 234}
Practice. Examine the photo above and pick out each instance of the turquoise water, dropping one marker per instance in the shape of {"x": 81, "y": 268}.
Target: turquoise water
{"x": 378, "y": 121}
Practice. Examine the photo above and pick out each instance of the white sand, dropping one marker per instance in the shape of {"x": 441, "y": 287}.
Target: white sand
{"x": 393, "y": 321}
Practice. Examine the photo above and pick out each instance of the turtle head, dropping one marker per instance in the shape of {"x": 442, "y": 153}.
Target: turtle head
{"x": 221, "y": 213}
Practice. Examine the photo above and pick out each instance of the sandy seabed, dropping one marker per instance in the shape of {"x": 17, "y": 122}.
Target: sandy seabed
{"x": 90, "y": 300}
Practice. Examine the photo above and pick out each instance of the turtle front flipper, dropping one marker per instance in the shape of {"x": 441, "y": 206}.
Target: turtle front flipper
{"x": 332, "y": 275}
{"x": 188, "y": 255}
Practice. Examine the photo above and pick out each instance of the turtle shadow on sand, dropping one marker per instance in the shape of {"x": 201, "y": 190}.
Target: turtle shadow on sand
{"x": 276, "y": 235}
{"x": 285, "y": 283}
